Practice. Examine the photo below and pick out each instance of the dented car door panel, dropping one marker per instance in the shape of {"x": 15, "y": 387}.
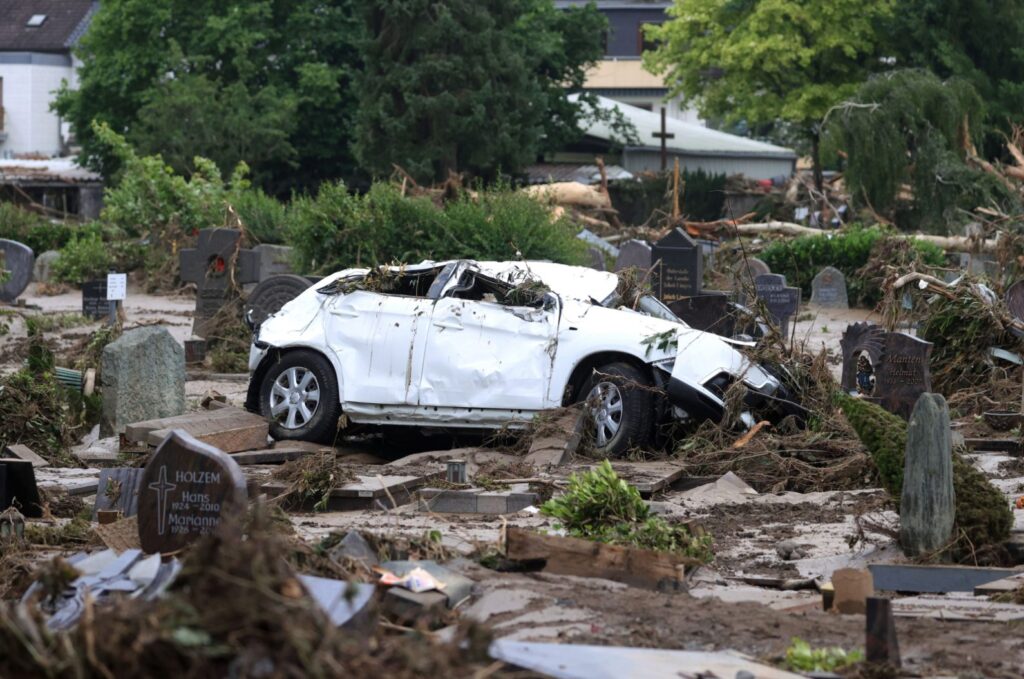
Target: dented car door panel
{"x": 487, "y": 355}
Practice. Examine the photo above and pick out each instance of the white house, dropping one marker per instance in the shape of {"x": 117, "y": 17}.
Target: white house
{"x": 36, "y": 38}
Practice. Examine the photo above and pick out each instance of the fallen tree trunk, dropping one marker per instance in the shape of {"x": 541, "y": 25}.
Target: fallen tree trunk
{"x": 955, "y": 243}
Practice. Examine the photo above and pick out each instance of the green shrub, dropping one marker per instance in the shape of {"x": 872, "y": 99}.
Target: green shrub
{"x": 800, "y": 657}
{"x": 600, "y": 506}
{"x": 982, "y": 514}
{"x": 849, "y": 250}
{"x": 638, "y": 199}
{"x": 85, "y": 257}
{"x": 336, "y": 229}
{"x": 35, "y": 231}
{"x": 263, "y": 216}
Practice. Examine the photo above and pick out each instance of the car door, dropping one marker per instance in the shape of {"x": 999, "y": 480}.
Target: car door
{"x": 379, "y": 341}
{"x": 482, "y": 354}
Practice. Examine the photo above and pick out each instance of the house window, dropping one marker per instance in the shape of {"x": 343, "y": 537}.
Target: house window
{"x": 36, "y": 20}
{"x": 642, "y": 42}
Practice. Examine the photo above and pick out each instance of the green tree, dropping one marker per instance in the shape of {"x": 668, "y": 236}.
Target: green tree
{"x": 768, "y": 60}
{"x": 228, "y": 79}
{"x": 469, "y": 85}
{"x": 980, "y": 41}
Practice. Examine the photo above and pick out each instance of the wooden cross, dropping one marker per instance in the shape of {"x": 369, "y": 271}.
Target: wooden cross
{"x": 664, "y": 136}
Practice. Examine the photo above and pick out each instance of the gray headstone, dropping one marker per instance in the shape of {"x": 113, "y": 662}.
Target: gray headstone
{"x": 187, "y": 489}
{"x": 208, "y": 265}
{"x": 903, "y": 373}
{"x": 273, "y": 260}
{"x": 143, "y": 378}
{"x": 828, "y": 289}
{"x": 780, "y": 301}
{"x": 596, "y": 258}
{"x": 118, "y": 490}
{"x": 17, "y": 261}
{"x": 679, "y": 268}
{"x": 269, "y": 296}
{"x": 861, "y": 342}
{"x": 1015, "y": 299}
{"x": 744, "y": 272}
{"x": 928, "y": 502}
{"x": 42, "y": 272}
{"x": 635, "y": 253}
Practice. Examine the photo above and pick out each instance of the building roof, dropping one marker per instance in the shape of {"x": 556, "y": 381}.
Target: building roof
{"x": 64, "y": 24}
{"x": 612, "y": 73}
{"x": 51, "y": 171}
{"x": 546, "y": 173}
{"x": 690, "y": 138}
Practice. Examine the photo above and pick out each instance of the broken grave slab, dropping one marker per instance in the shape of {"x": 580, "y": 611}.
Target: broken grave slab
{"x": 229, "y": 429}
{"x": 367, "y": 492}
{"x": 934, "y": 579}
{"x": 558, "y": 440}
{"x": 349, "y": 605}
{"x": 457, "y": 588}
{"x": 956, "y": 607}
{"x": 23, "y": 452}
{"x": 474, "y": 501}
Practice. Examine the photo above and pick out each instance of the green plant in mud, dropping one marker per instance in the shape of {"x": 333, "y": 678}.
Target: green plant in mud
{"x": 599, "y": 506}
{"x": 983, "y": 518}
{"x": 800, "y": 657}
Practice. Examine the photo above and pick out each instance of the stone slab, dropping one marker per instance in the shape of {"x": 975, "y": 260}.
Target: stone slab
{"x": 23, "y": 452}
{"x": 934, "y": 579}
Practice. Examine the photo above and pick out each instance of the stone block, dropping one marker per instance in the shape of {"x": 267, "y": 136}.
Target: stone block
{"x": 517, "y": 502}
{"x": 273, "y": 260}
{"x": 42, "y": 271}
{"x": 492, "y": 503}
{"x": 143, "y": 378}
{"x": 928, "y": 502}
{"x": 449, "y": 501}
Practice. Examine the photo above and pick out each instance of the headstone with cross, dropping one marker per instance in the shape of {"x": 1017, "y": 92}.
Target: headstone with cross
{"x": 16, "y": 262}
{"x": 780, "y": 301}
{"x": 678, "y": 267}
{"x": 187, "y": 490}
{"x": 664, "y": 135}
{"x": 209, "y": 266}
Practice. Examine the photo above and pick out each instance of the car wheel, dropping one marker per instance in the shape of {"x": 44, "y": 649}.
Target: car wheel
{"x": 299, "y": 397}
{"x": 621, "y": 407}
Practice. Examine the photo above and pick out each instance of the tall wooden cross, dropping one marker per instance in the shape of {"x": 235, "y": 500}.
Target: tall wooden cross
{"x": 664, "y": 136}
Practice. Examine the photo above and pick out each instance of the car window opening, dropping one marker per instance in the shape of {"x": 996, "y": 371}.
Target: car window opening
{"x": 475, "y": 287}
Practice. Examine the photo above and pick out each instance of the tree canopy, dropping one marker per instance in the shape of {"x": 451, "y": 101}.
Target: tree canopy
{"x": 469, "y": 85}
{"x": 766, "y": 60}
{"x": 256, "y": 80}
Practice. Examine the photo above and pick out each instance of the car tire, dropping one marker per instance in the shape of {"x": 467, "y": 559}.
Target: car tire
{"x": 623, "y": 415}
{"x": 297, "y": 379}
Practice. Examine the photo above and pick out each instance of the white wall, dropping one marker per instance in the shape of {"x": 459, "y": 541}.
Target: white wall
{"x": 28, "y": 90}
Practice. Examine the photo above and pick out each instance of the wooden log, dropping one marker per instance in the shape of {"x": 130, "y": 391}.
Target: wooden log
{"x": 573, "y": 556}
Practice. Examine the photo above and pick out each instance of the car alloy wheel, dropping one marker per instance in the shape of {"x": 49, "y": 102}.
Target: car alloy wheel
{"x": 295, "y": 397}
{"x": 605, "y": 403}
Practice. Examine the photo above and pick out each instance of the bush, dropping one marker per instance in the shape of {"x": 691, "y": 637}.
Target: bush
{"x": 263, "y": 216}
{"x": 37, "y": 232}
{"x": 636, "y": 200}
{"x": 849, "y": 250}
{"x": 86, "y": 257}
{"x": 336, "y": 229}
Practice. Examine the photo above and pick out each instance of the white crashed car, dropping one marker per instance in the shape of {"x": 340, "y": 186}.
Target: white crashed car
{"x": 486, "y": 345}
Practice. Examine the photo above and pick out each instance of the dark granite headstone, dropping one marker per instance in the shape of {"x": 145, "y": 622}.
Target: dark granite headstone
{"x": 1015, "y": 299}
{"x": 780, "y": 301}
{"x": 268, "y": 297}
{"x": 708, "y": 312}
{"x": 861, "y": 342}
{"x": 635, "y": 253}
{"x": 18, "y": 487}
{"x": 186, "y": 489}
{"x": 679, "y": 267}
{"x": 94, "y": 300}
{"x": 118, "y": 490}
{"x": 828, "y": 289}
{"x": 208, "y": 265}
{"x": 16, "y": 261}
{"x": 903, "y": 373}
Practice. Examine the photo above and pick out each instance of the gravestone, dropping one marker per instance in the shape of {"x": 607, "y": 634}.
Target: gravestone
{"x": 596, "y": 258}
{"x": 16, "y": 261}
{"x": 744, "y": 272}
{"x": 828, "y": 289}
{"x": 270, "y": 295}
{"x": 928, "y": 502}
{"x": 780, "y": 301}
{"x": 679, "y": 267}
{"x": 118, "y": 489}
{"x": 187, "y": 489}
{"x": 209, "y": 266}
{"x": 18, "y": 487}
{"x": 902, "y": 374}
{"x": 707, "y": 312}
{"x": 143, "y": 376}
{"x": 861, "y": 342}
{"x": 635, "y": 253}
{"x": 42, "y": 271}
{"x": 94, "y": 300}
{"x": 1015, "y": 299}
{"x": 273, "y": 260}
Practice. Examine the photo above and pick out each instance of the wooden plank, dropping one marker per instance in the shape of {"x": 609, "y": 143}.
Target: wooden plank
{"x": 574, "y": 556}
{"x": 138, "y": 431}
{"x": 233, "y": 440}
{"x": 23, "y": 452}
